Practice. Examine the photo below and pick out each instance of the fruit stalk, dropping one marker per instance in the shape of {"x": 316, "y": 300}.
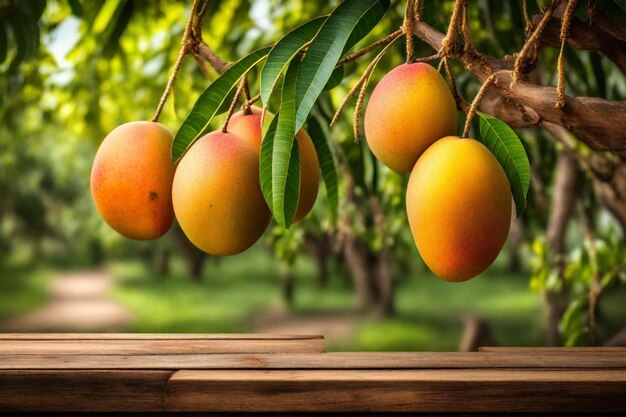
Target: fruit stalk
{"x": 184, "y": 48}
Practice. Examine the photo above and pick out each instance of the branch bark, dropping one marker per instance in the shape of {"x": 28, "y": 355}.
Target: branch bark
{"x": 585, "y": 117}
{"x": 585, "y": 37}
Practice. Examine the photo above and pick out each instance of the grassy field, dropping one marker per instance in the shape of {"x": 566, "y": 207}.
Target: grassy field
{"x": 236, "y": 291}
{"x": 22, "y": 288}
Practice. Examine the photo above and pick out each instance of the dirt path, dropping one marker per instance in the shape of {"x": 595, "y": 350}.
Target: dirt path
{"x": 79, "y": 302}
{"x": 339, "y": 325}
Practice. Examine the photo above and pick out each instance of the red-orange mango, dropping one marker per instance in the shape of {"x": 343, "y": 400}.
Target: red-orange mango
{"x": 131, "y": 180}
{"x": 459, "y": 208}
{"x": 248, "y": 126}
{"x": 410, "y": 108}
{"x": 217, "y": 195}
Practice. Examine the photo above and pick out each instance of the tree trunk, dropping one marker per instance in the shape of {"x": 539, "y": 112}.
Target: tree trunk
{"x": 194, "y": 258}
{"x": 162, "y": 261}
{"x": 563, "y": 198}
{"x": 287, "y": 286}
{"x": 383, "y": 271}
{"x": 476, "y": 334}
{"x": 515, "y": 241}
{"x": 355, "y": 255}
{"x": 319, "y": 247}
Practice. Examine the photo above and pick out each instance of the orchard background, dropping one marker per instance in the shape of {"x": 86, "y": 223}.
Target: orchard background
{"x": 72, "y": 71}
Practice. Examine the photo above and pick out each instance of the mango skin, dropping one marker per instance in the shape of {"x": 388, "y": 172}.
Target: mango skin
{"x": 217, "y": 195}
{"x": 410, "y": 108}
{"x": 249, "y": 128}
{"x": 131, "y": 180}
{"x": 459, "y": 208}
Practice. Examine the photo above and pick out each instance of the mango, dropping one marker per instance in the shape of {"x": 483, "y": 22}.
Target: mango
{"x": 131, "y": 180}
{"x": 459, "y": 208}
{"x": 249, "y": 128}
{"x": 217, "y": 195}
{"x": 409, "y": 109}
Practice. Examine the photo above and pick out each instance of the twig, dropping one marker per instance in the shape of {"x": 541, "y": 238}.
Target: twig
{"x": 448, "y": 44}
{"x": 253, "y": 100}
{"x": 521, "y": 63}
{"x": 417, "y": 10}
{"x": 460, "y": 103}
{"x": 184, "y": 48}
{"x": 407, "y": 27}
{"x": 528, "y": 24}
{"x": 211, "y": 57}
{"x": 476, "y": 102}
{"x": 384, "y": 41}
{"x": 359, "y": 100}
{"x": 395, "y": 35}
{"x": 246, "y": 94}
{"x": 231, "y": 109}
{"x": 465, "y": 31}
{"x": 565, "y": 24}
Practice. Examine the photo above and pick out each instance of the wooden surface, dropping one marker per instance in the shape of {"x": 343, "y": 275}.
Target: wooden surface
{"x": 58, "y": 373}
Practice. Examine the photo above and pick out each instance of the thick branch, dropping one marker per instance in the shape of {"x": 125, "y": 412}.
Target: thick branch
{"x": 582, "y": 36}
{"x": 587, "y": 118}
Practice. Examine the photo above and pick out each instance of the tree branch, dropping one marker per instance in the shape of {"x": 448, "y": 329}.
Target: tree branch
{"x": 585, "y": 117}
{"x": 587, "y": 38}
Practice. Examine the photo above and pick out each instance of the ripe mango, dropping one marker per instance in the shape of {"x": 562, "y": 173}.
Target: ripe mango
{"x": 131, "y": 180}
{"x": 249, "y": 128}
{"x": 410, "y": 108}
{"x": 459, "y": 208}
{"x": 217, "y": 195}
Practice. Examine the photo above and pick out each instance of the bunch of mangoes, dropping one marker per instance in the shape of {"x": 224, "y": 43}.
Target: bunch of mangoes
{"x": 458, "y": 196}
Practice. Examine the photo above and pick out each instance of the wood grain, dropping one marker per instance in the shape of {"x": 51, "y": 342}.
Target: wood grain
{"x": 152, "y": 373}
{"x": 153, "y": 336}
{"x": 337, "y": 360}
{"x": 575, "y": 351}
{"x": 93, "y": 391}
{"x": 158, "y": 346}
{"x": 506, "y": 390}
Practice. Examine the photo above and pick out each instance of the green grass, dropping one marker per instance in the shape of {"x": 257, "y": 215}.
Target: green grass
{"x": 22, "y": 289}
{"x": 235, "y": 290}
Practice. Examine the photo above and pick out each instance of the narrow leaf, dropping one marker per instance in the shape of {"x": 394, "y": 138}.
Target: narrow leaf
{"x": 286, "y": 168}
{"x": 327, "y": 164}
{"x": 328, "y": 46}
{"x": 366, "y": 23}
{"x": 283, "y": 52}
{"x": 335, "y": 78}
{"x": 211, "y": 101}
{"x": 265, "y": 163}
{"x": 502, "y": 141}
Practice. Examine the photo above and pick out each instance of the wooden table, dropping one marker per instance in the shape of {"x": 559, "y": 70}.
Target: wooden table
{"x": 213, "y": 374}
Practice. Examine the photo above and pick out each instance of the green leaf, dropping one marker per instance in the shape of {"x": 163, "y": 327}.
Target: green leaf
{"x": 265, "y": 163}
{"x": 335, "y": 78}
{"x": 26, "y": 35}
{"x": 509, "y": 151}
{"x": 286, "y": 167}
{"x": 283, "y": 52}
{"x": 327, "y": 164}
{"x": 211, "y": 101}
{"x": 366, "y": 24}
{"x": 328, "y": 46}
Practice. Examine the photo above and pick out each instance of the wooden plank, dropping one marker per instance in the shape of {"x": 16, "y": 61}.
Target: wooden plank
{"x": 338, "y": 360}
{"x": 505, "y": 390}
{"x": 158, "y": 346}
{"x": 544, "y": 350}
{"x": 94, "y": 391}
{"x": 153, "y": 336}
